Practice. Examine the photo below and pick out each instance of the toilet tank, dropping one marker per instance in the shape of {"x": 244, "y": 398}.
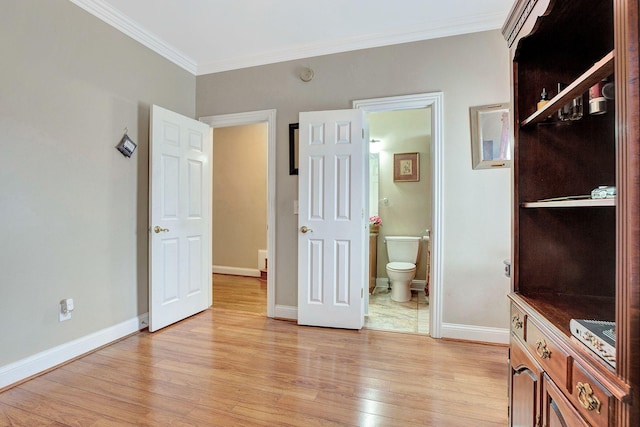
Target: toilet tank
{"x": 402, "y": 248}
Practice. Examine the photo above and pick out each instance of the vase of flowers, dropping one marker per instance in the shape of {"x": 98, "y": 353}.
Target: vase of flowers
{"x": 375, "y": 222}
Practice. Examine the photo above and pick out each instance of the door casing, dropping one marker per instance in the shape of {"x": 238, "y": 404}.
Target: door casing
{"x": 435, "y": 101}
{"x": 248, "y": 118}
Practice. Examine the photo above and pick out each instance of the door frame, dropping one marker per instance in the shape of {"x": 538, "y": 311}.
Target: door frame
{"x": 410, "y": 102}
{"x": 249, "y": 118}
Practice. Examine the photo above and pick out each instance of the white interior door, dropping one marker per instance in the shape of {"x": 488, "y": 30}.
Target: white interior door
{"x": 179, "y": 217}
{"x": 333, "y": 249}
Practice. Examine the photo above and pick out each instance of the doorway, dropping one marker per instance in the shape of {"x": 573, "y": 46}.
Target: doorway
{"x": 239, "y": 217}
{"x": 434, "y": 102}
{"x": 267, "y": 117}
{"x": 403, "y": 208}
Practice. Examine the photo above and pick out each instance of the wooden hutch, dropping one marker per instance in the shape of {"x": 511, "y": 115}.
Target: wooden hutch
{"x": 574, "y": 257}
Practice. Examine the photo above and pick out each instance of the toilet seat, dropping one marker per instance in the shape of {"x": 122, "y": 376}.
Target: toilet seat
{"x": 401, "y": 266}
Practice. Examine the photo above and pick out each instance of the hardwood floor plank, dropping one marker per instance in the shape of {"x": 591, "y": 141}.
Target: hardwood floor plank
{"x": 52, "y": 408}
{"x": 230, "y": 368}
{"x": 16, "y": 417}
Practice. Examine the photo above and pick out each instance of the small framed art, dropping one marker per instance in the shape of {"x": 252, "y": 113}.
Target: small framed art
{"x": 406, "y": 167}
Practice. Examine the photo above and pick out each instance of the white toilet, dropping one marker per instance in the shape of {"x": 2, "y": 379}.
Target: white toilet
{"x": 403, "y": 254}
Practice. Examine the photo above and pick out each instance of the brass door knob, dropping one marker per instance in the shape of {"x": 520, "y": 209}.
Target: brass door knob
{"x": 305, "y": 229}
{"x": 159, "y": 229}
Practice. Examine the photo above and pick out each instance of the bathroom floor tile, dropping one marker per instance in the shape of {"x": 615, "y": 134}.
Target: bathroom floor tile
{"x": 385, "y": 314}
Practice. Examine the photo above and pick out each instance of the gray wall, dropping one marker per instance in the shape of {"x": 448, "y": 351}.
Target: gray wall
{"x": 239, "y": 212}
{"x": 73, "y": 209}
{"x": 471, "y": 70}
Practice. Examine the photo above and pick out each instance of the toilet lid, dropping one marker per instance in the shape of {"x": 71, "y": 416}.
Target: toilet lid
{"x": 401, "y": 266}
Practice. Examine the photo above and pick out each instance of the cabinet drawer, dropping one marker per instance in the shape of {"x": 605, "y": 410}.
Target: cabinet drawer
{"x": 556, "y": 409}
{"x": 552, "y": 359}
{"x": 590, "y": 397}
{"x": 518, "y": 322}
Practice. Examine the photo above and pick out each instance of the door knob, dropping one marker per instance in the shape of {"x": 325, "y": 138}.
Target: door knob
{"x": 305, "y": 229}
{"x": 159, "y": 229}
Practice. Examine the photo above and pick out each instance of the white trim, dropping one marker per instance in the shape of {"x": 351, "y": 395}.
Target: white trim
{"x": 286, "y": 312}
{"x": 435, "y": 101}
{"x": 236, "y": 271}
{"x": 248, "y": 118}
{"x": 40, "y": 362}
{"x": 475, "y": 333}
{"x": 434, "y": 29}
{"x": 107, "y": 13}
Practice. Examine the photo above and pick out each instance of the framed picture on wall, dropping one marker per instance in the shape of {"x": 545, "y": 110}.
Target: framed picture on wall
{"x": 406, "y": 167}
{"x": 293, "y": 149}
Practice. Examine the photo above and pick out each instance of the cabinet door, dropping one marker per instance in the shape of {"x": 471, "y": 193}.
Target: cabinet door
{"x": 525, "y": 389}
{"x": 557, "y": 411}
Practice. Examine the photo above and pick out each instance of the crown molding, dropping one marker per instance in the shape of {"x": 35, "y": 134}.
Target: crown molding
{"x": 436, "y": 30}
{"x": 105, "y": 12}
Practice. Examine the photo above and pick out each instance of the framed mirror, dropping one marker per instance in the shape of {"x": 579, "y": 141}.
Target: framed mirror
{"x": 490, "y": 136}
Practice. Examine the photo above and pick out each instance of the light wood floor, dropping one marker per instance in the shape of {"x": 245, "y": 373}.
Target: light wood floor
{"x": 240, "y": 293}
{"x": 231, "y": 368}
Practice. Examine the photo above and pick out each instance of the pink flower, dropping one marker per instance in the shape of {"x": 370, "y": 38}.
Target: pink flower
{"x": 375, "y": 220}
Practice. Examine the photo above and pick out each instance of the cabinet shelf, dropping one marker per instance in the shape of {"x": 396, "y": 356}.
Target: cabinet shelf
{"x": 593, "y": 75}
{"x": 570, "y": 203}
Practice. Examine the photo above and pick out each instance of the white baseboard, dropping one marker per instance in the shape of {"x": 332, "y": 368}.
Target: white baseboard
{"x": 40, "y": 362}
{"x": 236, "y": 271}
{"x": 475, "y": 333}
{"x": 262, "y": 259}
{"x": 286, "y": 312}
{"x": 383, "y": 283}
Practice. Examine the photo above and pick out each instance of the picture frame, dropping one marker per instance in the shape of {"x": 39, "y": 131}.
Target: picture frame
{"x": 293, "y": 148}
{"x": 406, "y": 167}
{"x": 490, "y": 136}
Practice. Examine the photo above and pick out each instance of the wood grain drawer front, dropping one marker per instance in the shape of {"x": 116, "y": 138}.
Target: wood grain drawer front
{"x": 557, "y": 411}
{"x": 518, "y": 322}
{"x": 590, "y": 397}
{"x": 552, "y": 359}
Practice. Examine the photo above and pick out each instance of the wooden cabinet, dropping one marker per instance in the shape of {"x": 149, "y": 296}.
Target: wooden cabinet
{"x": 573, "y": 256}
{"x": 524, "y": 388}
{"x": 373, "y": 260}
{"x": 557, "y": 411}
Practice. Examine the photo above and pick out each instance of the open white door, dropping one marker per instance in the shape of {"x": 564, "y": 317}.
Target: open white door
{"x": 333, "y": 219}
{"x": 179, "y": 217}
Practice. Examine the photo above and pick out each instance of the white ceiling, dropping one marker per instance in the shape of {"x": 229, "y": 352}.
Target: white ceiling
{"x": 207, "y": 36}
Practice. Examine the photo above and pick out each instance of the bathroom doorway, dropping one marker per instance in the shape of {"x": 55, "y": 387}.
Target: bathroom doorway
{"x": 404, "y": 208}
{"x": 400, "y": 125}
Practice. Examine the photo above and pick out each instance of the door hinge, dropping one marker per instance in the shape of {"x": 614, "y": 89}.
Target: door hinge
{"x": 362, "y": 133}
{"x": 361, "y": 292}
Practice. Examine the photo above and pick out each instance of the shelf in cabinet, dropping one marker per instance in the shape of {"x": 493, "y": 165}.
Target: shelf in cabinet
{"x": 570, "y": 203}
{"x": 593, "y": 75}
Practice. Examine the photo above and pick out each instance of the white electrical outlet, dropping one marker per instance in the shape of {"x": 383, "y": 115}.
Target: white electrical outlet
{"x": 65, "y": 309}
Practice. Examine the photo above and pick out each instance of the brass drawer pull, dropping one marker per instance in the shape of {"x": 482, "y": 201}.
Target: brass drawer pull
{"x": 516, "y": 322}
{"x": 586, "y": 397}
{"x": 542, "y": 350}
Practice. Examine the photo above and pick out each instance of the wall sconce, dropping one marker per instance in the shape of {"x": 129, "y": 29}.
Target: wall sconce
{"x": 126, "y": 145}
{"x": 374, "y": 146}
